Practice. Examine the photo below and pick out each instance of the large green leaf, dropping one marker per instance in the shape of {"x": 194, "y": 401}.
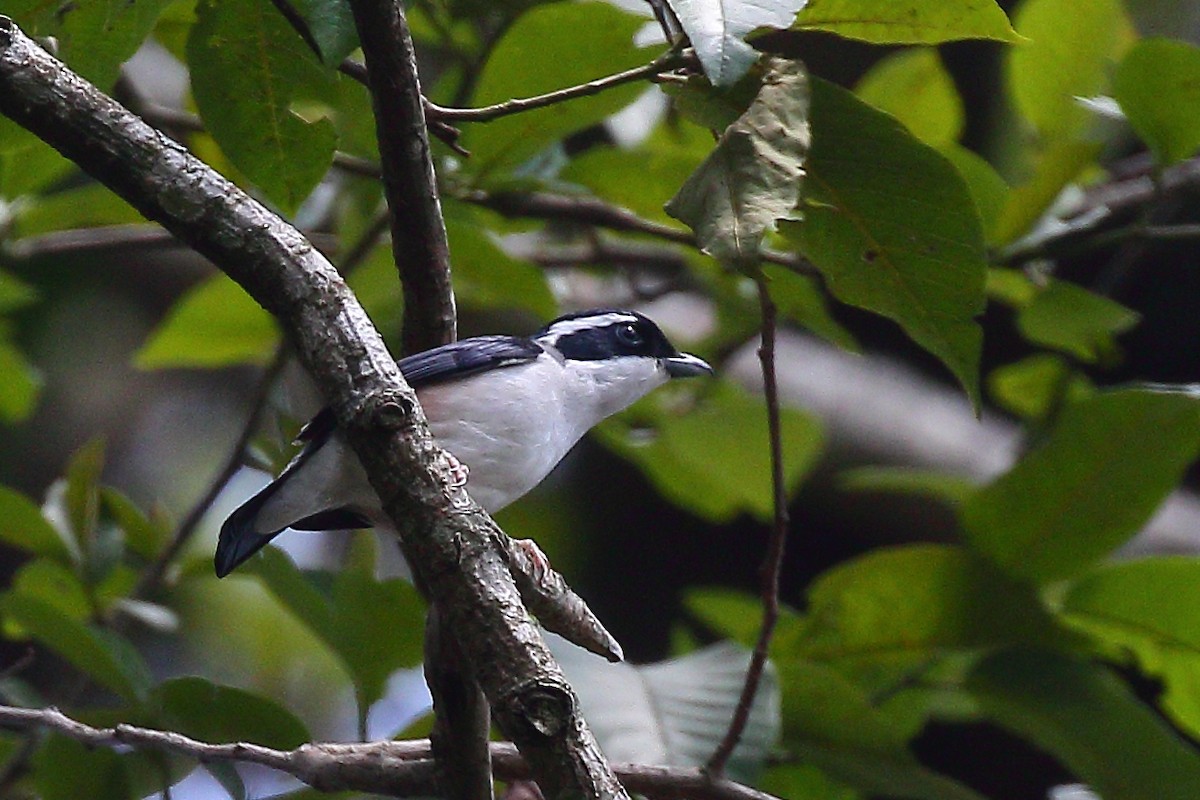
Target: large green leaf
{"x": 214, "y": 324}
{"x": 1073, "y": 46}
{"x": 753, "y": 176}
{"x": 1090, "y": 722}
{"x": 717, "y": 30}
{"x": 102, "y": 655}
{"x": 94, "y": 37}
{"x": 674, "y": 712}
{"x": 534, "y": 57}
{"x": 212, "y": 713}
{"x": 247, "y": 66}
{"x": 714, "y": 460}
{"x": 907, "y": 21}
{"x": 893, "y": 229}
{"x": 914, "y": 87}
{"x": 1151, "y": 608}
{"x": 1105, "y": 467}
{"x": 894, "y": 609}
{"x": 1158, "y": 87}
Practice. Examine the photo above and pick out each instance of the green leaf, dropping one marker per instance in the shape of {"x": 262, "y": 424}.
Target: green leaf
{"x": 1090, "y": 722}
{"x": 643, "y": 178}
{"x": 23, "y": 526}
{"x": 212, "y": 713}
{"x": 988, "y": 189}
{"x": 534, "y": 57}
{"x": 331, "y": 23}
{"x": 952, "y": 490}
{"x": 1071, "y": 319}
{"x": 374, "y": 627}
{"x": 730, "y": 613}
{"x": 215, "y": 324}
{"x": 1033, "y": 387}
{"x": 753, "y": 176}
{"x": 1158, "y": 87}
{"x": 914, "y": 87}
{"x": 81, "y": 500}
{"x": 893, "y": 610}
{"x": 1150, "y": 608}
{"x": 893, "y": 229}
{"x": 1104, "y": 469}
{"x": 55, "y": 584}
{"x": 833, "y": 723}
{"x": 907, "y": 21}
{"x": 20, "y": 384}
{"x": 674, "y": 712}
{"x": 1072, "y": 47}
{"x": 102, "y": 655}
{"x": 485, "y": 277}
{"x": 144, "y": 535}
{"x": 95, "y": 37}
{"x": 714, "y": 460}
{"x": 717, "y": 30}
{"x": 247, "y": 67}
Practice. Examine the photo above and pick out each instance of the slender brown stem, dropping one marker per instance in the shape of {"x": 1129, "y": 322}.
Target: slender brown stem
{"x": 152, "y": 577}
{"x": 419, "y": 243}
{"x": 773, "y": 564}
{"x": 593, "y": 211}
{"x": 667, "y": 61}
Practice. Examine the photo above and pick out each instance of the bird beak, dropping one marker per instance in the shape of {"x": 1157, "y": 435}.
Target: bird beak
{"x": 685, "y": 366}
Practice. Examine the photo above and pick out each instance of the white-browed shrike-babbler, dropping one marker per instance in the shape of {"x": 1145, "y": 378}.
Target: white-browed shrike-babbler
{"x": 507, "y": 407}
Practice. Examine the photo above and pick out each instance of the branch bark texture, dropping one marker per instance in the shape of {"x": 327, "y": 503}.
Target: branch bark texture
{"x": 446, "y": 538}
{"x": 387, "y": 768}
{"x": 419, "y": 243}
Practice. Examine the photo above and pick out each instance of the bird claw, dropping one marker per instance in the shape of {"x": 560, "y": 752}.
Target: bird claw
{"x": 539, "y": 563}
{"x": 459, "y": 472}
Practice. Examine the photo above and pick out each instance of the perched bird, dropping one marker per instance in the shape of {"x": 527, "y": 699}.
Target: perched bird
{"x": 507, "y": 407}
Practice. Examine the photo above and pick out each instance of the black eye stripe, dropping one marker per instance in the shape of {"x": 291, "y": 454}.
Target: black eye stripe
{"x": 641, "y": 338}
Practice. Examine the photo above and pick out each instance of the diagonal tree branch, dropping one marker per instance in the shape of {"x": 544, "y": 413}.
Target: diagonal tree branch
{"x": 419, "y": 243}
{"x": 391, "y": 768}
{"x": 445, "y": 536}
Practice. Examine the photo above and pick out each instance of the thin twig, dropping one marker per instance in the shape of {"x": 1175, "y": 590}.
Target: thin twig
{"x": 667, "y": 61}
{"x": 391, "y": 768}
{"x": 594, "y": 211}
{"x": 773, "y": 564}
{"x": 152, "y": 577}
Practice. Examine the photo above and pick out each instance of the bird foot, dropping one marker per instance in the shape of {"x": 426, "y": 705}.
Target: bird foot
{"x": 538, "y": 561}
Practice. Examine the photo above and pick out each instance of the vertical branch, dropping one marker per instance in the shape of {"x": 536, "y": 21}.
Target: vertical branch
{"x": 418, "y": 231}
{"x": 773, "y": 563}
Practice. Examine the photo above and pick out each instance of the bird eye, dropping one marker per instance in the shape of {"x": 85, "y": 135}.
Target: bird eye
{"x": 630, "y": 336}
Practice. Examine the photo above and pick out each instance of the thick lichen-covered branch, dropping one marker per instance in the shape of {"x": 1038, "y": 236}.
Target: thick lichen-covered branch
{"x": 448, "y": 541}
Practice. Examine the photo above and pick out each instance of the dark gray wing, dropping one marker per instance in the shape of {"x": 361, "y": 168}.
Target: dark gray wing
{"x": 444, "y": 363}
{"x": 466, "y": 358}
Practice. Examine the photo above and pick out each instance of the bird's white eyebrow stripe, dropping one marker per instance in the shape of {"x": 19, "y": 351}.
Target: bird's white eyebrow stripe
{"x": 569, "y": 326}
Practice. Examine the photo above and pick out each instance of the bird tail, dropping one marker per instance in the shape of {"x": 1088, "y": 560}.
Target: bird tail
{"x": 240, "y": 537}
